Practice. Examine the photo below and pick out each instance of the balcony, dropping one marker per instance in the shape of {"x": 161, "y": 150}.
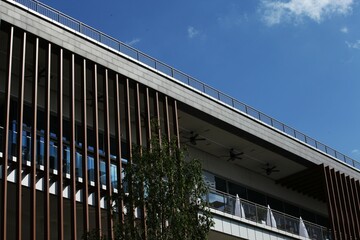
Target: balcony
{"x": 217, "y": 200}
{"x": 265, "y": 217}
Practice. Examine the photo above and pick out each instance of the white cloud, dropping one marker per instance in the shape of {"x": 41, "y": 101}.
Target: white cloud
{"x": 133, "y": 42}
{"x": 233, "y": 19}
{"x": 277, "y": 11}
{"x": 355, "y": 151}
{"x": 192, "y": 32}
{"x": 354, "y": 45}
{"x": 344, "y": 30}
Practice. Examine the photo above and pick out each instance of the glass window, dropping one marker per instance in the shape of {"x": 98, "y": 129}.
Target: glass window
{"x": 308, "y": 216}
{"x": 237, "y": 189}
{"x": 291, "y": 209}
{"x": 209, "y": 179}
{"x": 275, "y": 204}
{"x": 220, "y": 184}
{"x": 256, "y": 197}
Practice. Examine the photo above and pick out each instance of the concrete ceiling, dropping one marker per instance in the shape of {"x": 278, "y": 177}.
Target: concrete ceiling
{"x": 219, "y": 142}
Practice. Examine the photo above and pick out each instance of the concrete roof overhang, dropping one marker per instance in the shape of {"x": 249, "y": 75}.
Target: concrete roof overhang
{"x": 219, "y": 137}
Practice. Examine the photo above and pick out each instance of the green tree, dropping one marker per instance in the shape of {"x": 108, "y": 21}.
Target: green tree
{"x": 168, "y": 189}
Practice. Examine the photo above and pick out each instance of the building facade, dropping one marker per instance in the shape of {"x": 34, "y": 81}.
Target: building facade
{"x": 74, "y": 102}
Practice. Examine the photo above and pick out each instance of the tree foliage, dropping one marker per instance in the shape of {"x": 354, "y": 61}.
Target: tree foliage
{"x": 167, "y": 189}
{"x": 170, "y": 191}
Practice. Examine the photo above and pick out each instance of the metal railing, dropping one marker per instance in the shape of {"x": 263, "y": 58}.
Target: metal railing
{"x": 257, "y": 213}
{"x": 117, "y": 45}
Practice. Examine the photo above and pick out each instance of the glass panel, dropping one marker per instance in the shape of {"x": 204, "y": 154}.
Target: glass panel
{"x": 217, "y": 201}
{"x": 66, "y": 160}
{"x": 78, "y": 166}
{"x": 91, "y": 170}
{"x": 289, "y": 131}
{"x": 102, "y": 172}
{"x": 26, "y": 145}
{"x": 53, "y": 154}
{"x": 113, "y": 174}
{"x": 256, "y": 197}
{"x": 12, "y": 140}
{"x": 40, "y": 148}
{"x": 291, "y": 210}
{"x": 280, "y": 220}
{"x": 237, "y": 189}
{"x": 261, "y": 214}
{"x": 275, "y": 204}
{"x": 250, "y": 211}
{"x": 292, "y": 225}
{"x": 220, "y": 184}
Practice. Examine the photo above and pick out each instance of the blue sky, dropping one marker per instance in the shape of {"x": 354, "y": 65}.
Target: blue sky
{"x": 295, "y": 60}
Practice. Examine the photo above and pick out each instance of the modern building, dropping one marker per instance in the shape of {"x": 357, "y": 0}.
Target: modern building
{"x": 74, "y": 102}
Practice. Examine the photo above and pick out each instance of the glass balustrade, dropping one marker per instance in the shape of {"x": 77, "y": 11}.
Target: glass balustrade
{"x": 260, "y": 214}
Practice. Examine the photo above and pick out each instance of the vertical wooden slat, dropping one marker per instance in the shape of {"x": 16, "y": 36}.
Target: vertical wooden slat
{"x": 148, "y": 115}
{"x": 140, "y": 144}
{"x": 341, "y": 194}
{"x": 96, "y": 152}
{"x": 33, "y": 145}
{"x": 355, "y": 199}
{"x": 167, "y": 123}
{"x": 158, "y": 115}
{"x": 343, "y": 199}
{"x": 60, "y": 150}
{"x": 118, "y": 143}
{"x": 107, "y": 157}
{"x": 6, "y": 142}
{"x": 148, "y": 127}
{"x": 330, "y": 200}
{"x": 356, "y": 188}
{"x": 346, "y": 205}
{"x": 73, "y": 151}
{"x": 138, "y": 115}
{"x": 350, "y": 209}
{"x": 129, "y": 140}
{"x": 47, "y": 153}
{"x": 338, "y": 219}
{"x": 19, "y": 143}
{"x": 84, "y": 153}
{"x": 176, "y": 123}
{"x": 128, "y": 112}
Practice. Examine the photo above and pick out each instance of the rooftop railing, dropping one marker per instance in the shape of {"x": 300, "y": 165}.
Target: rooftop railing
{"x": 259, "y": 214}
{"x": 117, "y": 45}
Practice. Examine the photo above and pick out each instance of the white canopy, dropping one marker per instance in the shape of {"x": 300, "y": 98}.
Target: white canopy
{"x": 302, "y": 229}
{"x": 270, "y": 219}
